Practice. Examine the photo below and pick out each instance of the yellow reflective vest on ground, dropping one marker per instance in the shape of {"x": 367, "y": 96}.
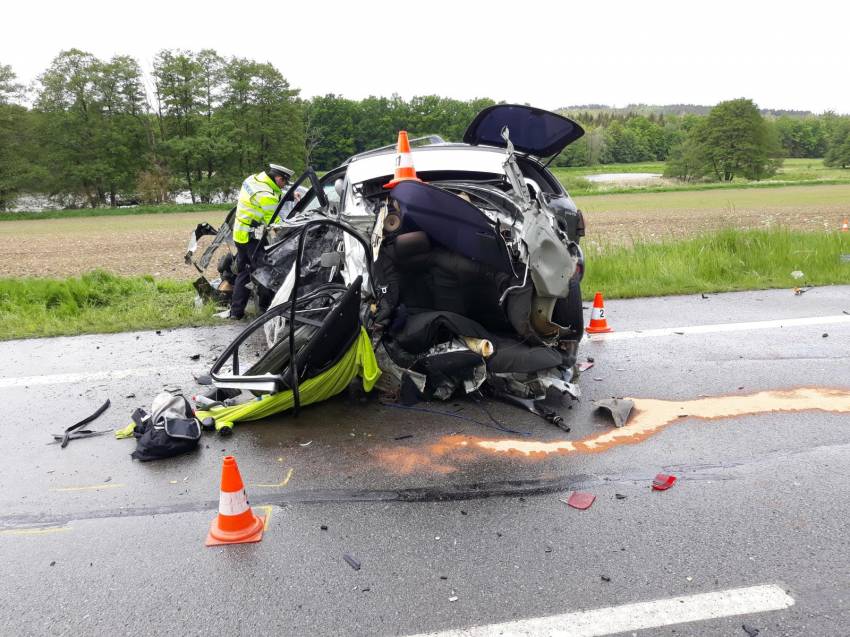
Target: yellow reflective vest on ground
{"x": 258, "y": 200}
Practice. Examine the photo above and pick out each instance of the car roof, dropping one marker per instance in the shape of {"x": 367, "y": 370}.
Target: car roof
{"x": 438, "y": 157}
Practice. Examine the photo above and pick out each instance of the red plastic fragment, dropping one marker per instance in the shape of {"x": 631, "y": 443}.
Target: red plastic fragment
{"x": 662, "y": 482}
{"x": 579, "y": 500}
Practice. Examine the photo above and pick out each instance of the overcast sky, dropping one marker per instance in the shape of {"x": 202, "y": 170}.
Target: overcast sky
{"x": 549, "y": 54}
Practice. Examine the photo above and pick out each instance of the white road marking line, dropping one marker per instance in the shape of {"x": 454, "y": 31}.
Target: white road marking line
{"x": 640, "y": 616}
{"x": 723, "y": 327}
{"x": 118, "y": 374}
{"x": 83, "y": 377}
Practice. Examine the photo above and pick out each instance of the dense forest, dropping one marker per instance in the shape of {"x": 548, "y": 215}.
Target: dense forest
{"x": 103, "y": 132}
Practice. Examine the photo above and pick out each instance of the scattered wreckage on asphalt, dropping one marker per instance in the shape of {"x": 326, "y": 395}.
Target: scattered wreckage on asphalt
{"x": 465, "y": 278}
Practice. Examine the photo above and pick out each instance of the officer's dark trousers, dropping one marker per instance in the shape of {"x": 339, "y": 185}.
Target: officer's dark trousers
{"x": 245, "y": 264}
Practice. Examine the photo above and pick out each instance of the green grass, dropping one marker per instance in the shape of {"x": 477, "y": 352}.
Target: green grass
{"x": 96, "y": 302}
{"x": 113, "y": 212}
{"x": 798, "y": 196}
{"x": 794, "y": 172}
{"x": 721, "y": 262}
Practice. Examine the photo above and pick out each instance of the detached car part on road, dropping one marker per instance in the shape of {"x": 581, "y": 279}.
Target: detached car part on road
{"x": 467, "y": 280}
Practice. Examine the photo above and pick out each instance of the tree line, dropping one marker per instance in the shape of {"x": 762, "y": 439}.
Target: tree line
{"x": 103, "y": 132}
{"x": 627, "y": 137}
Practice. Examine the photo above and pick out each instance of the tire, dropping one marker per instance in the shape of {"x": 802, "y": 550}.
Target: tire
{"x": 568, "y": 312}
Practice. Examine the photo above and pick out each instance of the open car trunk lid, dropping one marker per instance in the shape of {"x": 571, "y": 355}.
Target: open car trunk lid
{"x": 532, "y": 130}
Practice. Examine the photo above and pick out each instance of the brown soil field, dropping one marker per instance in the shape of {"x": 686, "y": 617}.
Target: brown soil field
{"x": 155, "y": 244}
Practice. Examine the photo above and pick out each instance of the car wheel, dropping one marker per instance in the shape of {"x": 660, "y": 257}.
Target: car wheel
{"x": 568, "y": 312}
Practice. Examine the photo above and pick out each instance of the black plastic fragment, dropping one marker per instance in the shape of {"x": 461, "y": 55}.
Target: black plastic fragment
{"x": 352, "y": 562}
{"x": 73, "y": 432}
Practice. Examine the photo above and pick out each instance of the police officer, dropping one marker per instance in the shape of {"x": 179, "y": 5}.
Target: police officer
{"x": 258, "y": 200}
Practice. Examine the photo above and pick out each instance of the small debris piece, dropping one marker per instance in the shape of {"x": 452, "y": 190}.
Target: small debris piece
{"x": 663, "y": 481}
{"x": 462, "y": 512}
{"x": 679, "y": 333}
{"x": 580, "y": 500}
{"x": 605, "y": 578}
{"x": 352, "y": 562}
{"x": 130, "y": 396}
{"x": 797, "y": 274}
{"x": 619, "y": 496}
{"x": 453, "y": 598}
{"x": 824, "y": 335}
{"x": 194, "y": 357}
{"x": 682, "y": 416}
{"x": 689, "y": 578}
{"x": 171, "y": 389}
{"x": 108, "y": 479}
{"x": 548, "y": 549}
{"x": 618, "y": 408}
{"x": 365, "y": 590}
{"x": 305, "y": 444}
{"x": 752, "y": 632}
{"x": 53, "y": 563}
{"x": 590, "y": 359}
{"x": 705, "y": 296}
{"x": 597, "y": 378}
{"x": 583, "y": 367}
{"x": 324, "y": 527}
{"x": 443, "y": 577}
{"x": 159, "y": 332}
{"x": 404, "y": 437}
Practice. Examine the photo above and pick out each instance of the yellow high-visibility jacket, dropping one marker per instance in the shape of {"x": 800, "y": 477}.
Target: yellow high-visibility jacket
{"x": 258, "y": 200}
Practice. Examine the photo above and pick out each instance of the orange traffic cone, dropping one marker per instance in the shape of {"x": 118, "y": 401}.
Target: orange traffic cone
{"x": 845, "y": 227}
{"x": 598, "y": 322}
{"x": 403, "y": 162}
{"x": 236, "y": 523}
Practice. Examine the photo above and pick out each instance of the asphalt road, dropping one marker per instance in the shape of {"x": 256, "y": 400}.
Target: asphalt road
{"x": 455, "y": 527}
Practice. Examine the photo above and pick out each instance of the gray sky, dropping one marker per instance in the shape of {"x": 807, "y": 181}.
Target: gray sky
{"x": 550, "y": 54}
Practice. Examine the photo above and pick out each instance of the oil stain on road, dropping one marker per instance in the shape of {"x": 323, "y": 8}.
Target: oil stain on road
{"x": 649, "y": 417}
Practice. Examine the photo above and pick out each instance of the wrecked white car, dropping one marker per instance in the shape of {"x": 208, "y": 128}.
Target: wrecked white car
{"x": 466, "y": 279}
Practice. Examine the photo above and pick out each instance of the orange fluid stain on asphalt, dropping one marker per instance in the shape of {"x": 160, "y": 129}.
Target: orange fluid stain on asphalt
{"x": 651, "y": 416}
{"x": 648, "y": 417}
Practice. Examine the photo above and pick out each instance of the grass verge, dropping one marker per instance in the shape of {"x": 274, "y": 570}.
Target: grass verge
{"x": 95, "y": 302}
{"x": 113, "y": 212}
{"x": 724, "y": 261}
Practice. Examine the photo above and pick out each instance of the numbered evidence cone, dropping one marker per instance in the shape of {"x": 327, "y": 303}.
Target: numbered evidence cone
{"x": 598, "y": 322}
{"x": 236, "y": 523}
{"x": 403, "y": 162}
{"x": 845, "y": 227}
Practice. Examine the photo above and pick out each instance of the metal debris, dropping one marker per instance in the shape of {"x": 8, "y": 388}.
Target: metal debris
{"x": 194, "y": 357}
{"x": 305, "y": 444}
{"x": 618, "y": 408}
{"x": 352, "y": 562}
{"x": 583, "y": 367}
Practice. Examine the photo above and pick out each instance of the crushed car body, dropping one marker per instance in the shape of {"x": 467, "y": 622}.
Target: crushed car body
{"x": 466, "y": 278}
